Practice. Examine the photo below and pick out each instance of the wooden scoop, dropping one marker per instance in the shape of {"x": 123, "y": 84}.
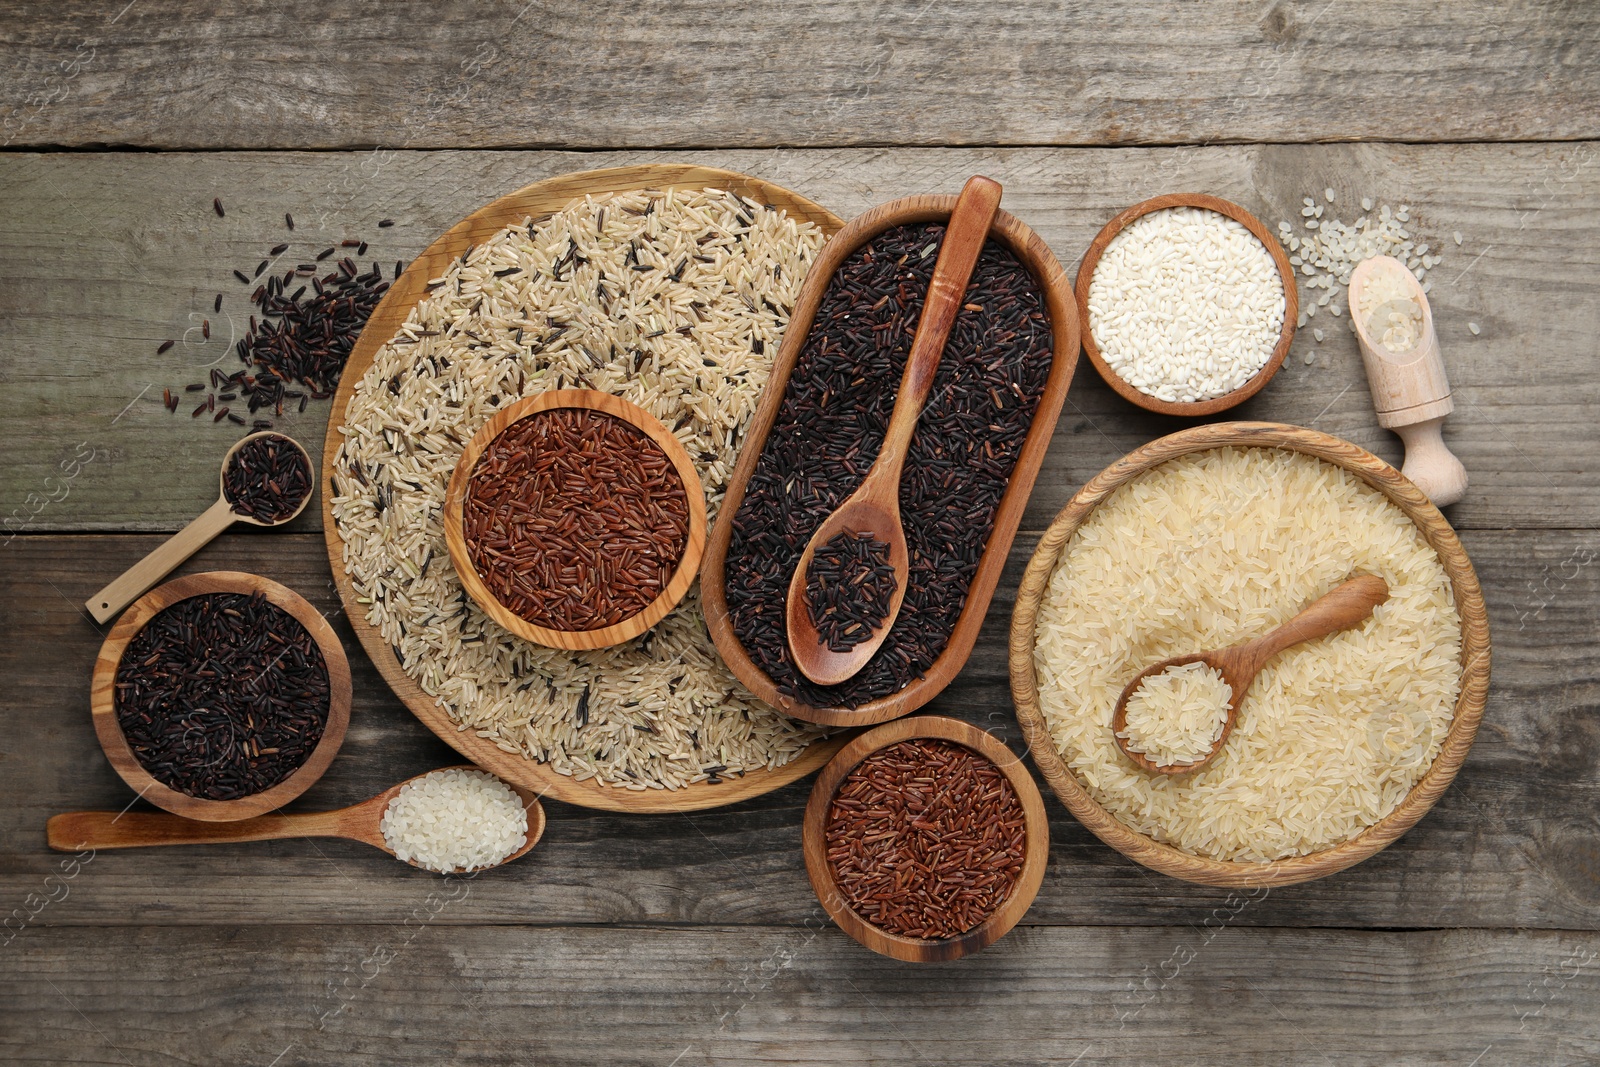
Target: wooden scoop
{"x": 136, "y": 580}
{"x": 874, "y": 508}
{"x": 79, "y": 830}
{"x": 1346, "y": 605}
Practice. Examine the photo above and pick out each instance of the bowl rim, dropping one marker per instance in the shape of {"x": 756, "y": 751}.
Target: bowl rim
{"x": 1002, "y": 919}
{"x": 1435, "y": 529}
{"x": 607, "y": 404}
{"x": 1274, "y": 247}
{"x": 102, "y": 696}
{"x": 1047, "y": 272}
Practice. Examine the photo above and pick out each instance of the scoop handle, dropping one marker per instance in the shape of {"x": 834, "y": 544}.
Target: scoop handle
{"x": 1346, "y": 605}
{"x": 958, "y": 254}
{"x": 79, "y": 830}
{"x": 109, "y": 602}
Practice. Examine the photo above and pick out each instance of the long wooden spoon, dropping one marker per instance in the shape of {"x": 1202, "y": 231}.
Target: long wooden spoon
{"x": 874, "y": 508}
{"x": 78, "y": 830}
{"x": 137, "y": 579}
{"x": 1346, "y": 605}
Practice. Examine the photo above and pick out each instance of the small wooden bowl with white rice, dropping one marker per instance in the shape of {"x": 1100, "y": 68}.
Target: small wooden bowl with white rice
{"x": 1188, "y": 304}
{"x": 1184, "y": 544}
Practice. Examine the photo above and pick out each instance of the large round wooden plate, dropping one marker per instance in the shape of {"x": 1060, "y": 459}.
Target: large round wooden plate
{"x": 537, "y": 200}
{"x": 1165, "y": 858}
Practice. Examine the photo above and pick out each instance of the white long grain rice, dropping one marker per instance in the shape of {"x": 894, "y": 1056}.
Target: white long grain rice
{"x": 1217, "y": 548}
{"x": 1177, "y": 715}
{"x": 690, "y": 337}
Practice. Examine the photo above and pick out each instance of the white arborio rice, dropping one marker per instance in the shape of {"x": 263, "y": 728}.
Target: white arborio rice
{"x": 676, "y": 301}
{"x": 1217, "y": 548}
{"x": 1186, "y": 304}
{"x": 455, "y": 820}
{"x": 1177, "y": 715}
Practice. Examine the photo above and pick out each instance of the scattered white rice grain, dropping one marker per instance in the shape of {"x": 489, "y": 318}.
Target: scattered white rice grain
{"x": 1327, "y": 194}
{"x": 1457, "y": 236}
{"x": 1318, "y": 335}
{"x": 1474, "y": 328}
{"x": 455, "y": 821}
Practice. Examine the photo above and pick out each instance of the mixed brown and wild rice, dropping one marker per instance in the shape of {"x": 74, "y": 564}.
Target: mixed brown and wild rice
{"x": 674, "y": 300}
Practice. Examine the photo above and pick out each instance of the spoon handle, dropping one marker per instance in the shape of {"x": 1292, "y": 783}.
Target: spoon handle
{"x": 1346, "y": 605}
{"x": 958, "y": 254}
{"x": 78, "y": 830}
{"x": 110, "y": 601}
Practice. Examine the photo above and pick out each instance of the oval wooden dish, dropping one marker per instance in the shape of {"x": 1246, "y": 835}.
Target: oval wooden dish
{"x": 1052, "y": 281}
{"x": 606, "y": 403}
{"x": 1003, "y": 918}
{"x": 1291, "y": 295}
{"x": 102, "y": 696}
{"x": 1164, "y": 858}
{"x": 538, "y": 201}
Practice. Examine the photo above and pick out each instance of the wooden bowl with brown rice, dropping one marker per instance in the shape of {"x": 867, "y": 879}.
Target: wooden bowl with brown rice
{"x": 1310, "y": 812}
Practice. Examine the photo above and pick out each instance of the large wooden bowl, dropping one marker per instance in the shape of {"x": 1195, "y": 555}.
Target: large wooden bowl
{"x": 1291, "y": 310}
{"x": 102, "y": 696}
{"x": 912, "y": 949}
{"x": 1376, "y": 473}
{"x": 538, "y": 201}
{"x": 641, "y": 420}
{"x": 1052, "y": 281}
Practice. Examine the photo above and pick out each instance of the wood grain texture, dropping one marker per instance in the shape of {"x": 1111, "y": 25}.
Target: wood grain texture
{"x": 1514, "y": 842}
{"x": 911, "y": 949}
{"x": 103, "y": 256}
{"x": 1268, "y": 239}
{"x": 608, "y": 73}
{"x": 413, "y": 991}
{"x": 103, "y": 699}
{"x": 455, "y": 537}
{"x": 534, "y": 201}
{"x": 1047, "y": 273}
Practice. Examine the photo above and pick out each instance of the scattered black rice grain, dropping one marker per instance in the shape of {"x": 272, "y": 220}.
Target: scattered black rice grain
{"x": 195, "y": 387}
{"x": 384, "y": 224}
{"x": 205, "y": 328}
{"x": 831, "y": 425}
{"x": 164, "y": 346}
{"x": 288, "y": 220}
{"x": 222, "y": 413}
{"x": 241, "y": 276}
{"x": 849, "y": 587}
{"x": 216, "y": 205}
{"x": 279, "y": 250}
{"x": 267, "y": 478}
{"x": 216, "y": 305}
{"x": 222, "y": 695}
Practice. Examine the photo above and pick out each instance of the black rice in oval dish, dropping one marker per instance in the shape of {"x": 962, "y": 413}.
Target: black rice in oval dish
{"x": 831, "y": 425}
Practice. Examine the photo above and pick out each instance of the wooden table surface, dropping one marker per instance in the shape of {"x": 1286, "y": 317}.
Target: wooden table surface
{"x": 695, "y": 939}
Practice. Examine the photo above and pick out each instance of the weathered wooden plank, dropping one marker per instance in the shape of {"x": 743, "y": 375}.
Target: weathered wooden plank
{"x": 1515, "y": 843}
{"x": 616, "y": 73}
{"x": 413, "y": 991}
{"x": 104, "y": 256}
